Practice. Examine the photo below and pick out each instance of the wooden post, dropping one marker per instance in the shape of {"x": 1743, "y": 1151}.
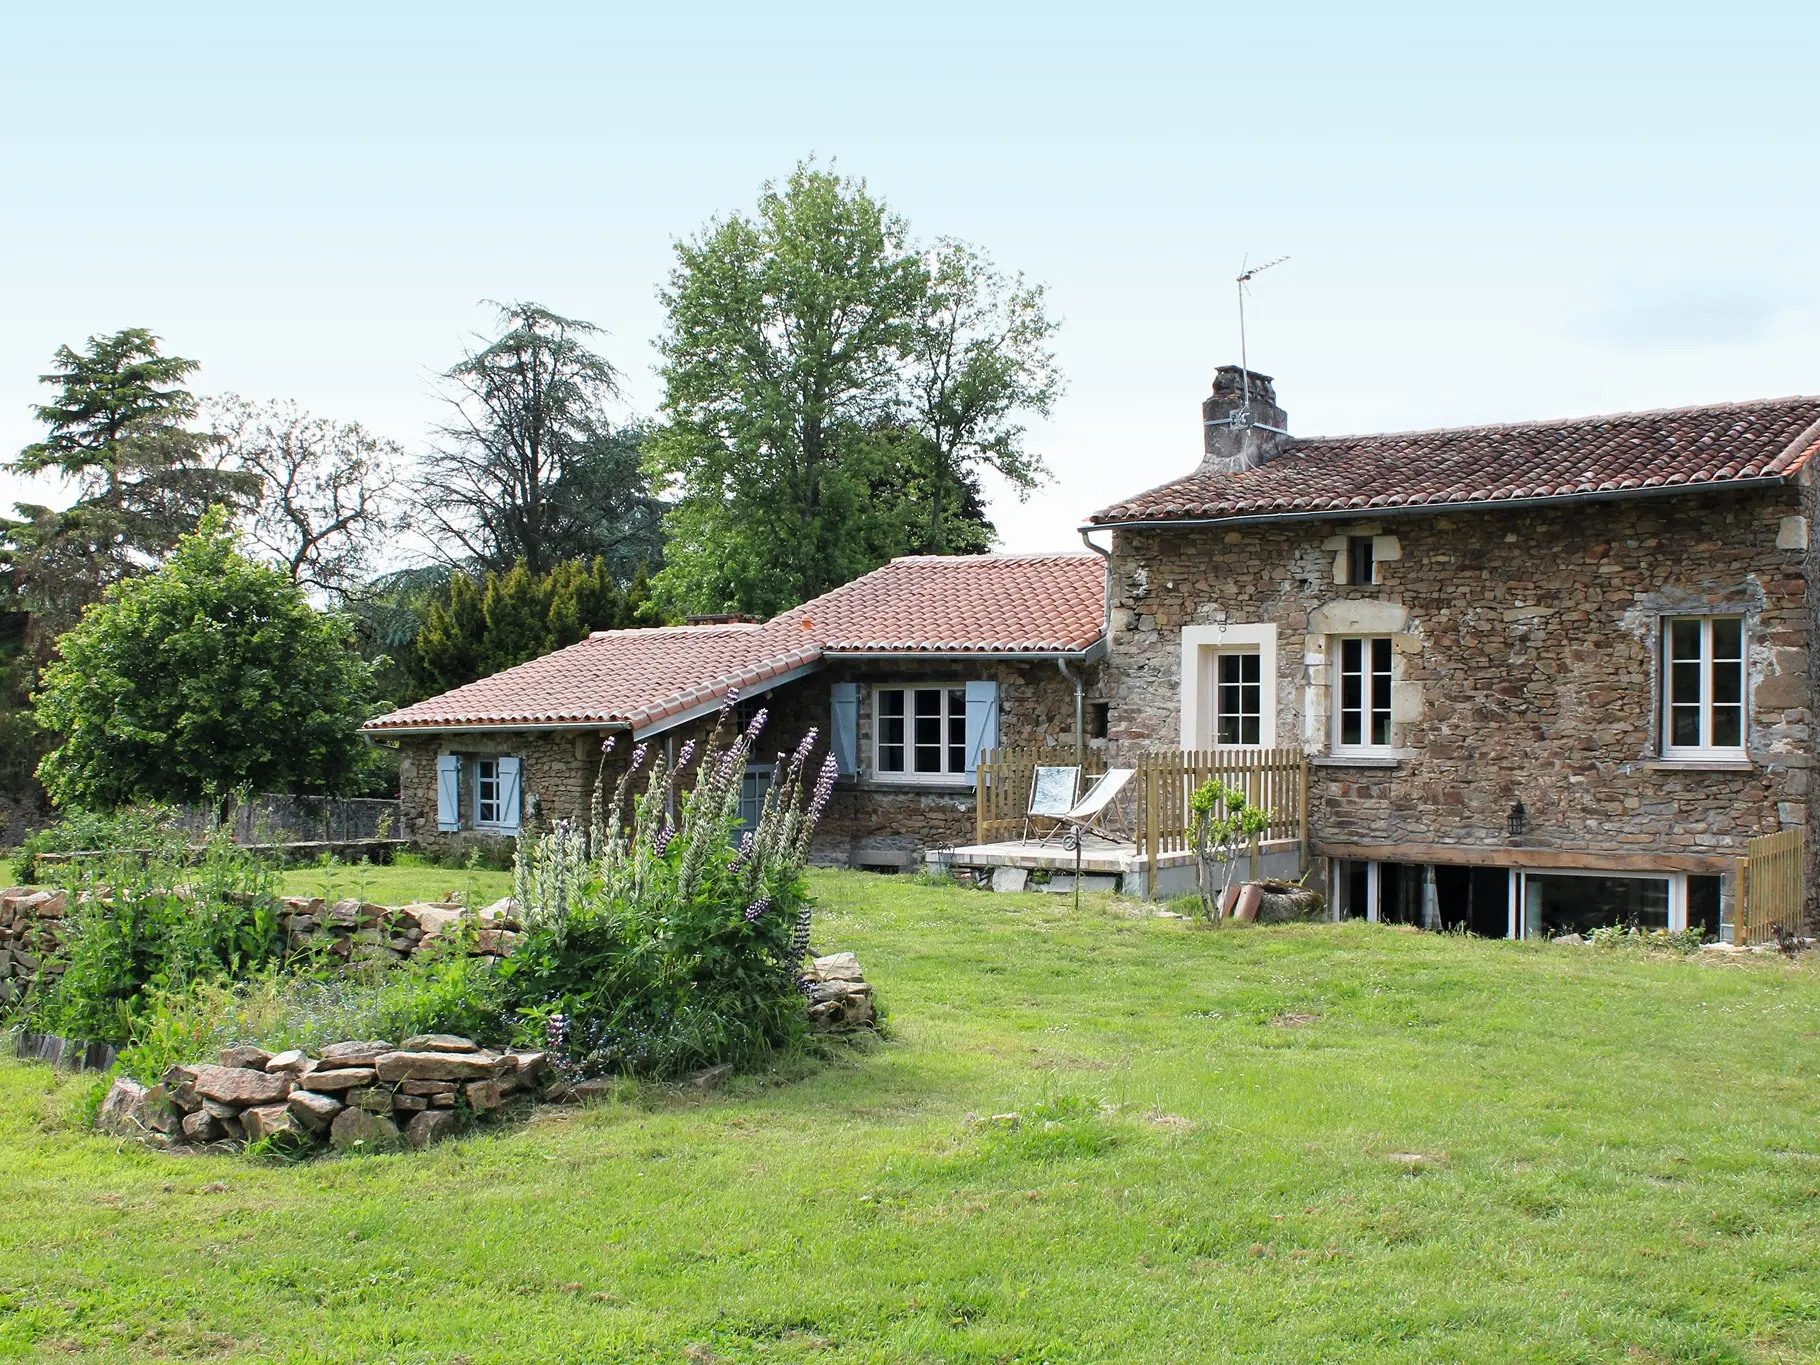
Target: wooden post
{"x": 1302, "y": 812}
{"x": 979, "y": 799}
{"x": 1741, "y": 902}
{"x": 1149, "y": 795}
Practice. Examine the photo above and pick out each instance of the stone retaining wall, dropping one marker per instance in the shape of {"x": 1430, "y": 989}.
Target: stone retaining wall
{"x": 360, "y": 1094}
{"x": 346, "y": 931}
{"x": 31, "y": 935}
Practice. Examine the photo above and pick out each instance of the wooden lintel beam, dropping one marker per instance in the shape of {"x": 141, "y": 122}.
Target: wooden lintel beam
{"x": 1479, "y": 855}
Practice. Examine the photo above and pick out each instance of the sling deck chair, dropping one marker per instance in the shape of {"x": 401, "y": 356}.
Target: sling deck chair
{"x": 1053, "y": 792}
{"x": 1099, "y": 808}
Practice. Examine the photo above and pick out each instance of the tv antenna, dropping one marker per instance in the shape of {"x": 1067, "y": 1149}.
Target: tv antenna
{"x": 1247, "y": 273}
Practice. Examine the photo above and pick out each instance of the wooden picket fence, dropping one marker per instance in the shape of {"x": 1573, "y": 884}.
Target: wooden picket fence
{"x": 1772, "y": 887}
{"x": 1156, "y": 802}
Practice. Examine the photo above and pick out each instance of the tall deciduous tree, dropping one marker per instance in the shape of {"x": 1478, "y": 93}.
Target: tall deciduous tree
{"x": 529, "y": 469}
{"x": 980, "y": 361}
{"x": 780, "y": 366}
{"x": 833, "y": 396}
{"x": 211, "y": 673}
{"x": 119, "y": 429}
{"x": 325, "y": 499}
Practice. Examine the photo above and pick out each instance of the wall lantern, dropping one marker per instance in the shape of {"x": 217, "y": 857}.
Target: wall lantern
{"x": 1517, "y": 821}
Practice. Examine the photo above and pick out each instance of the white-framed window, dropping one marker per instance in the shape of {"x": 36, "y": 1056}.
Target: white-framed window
{"x": 1361, "y": 670}
{"x": 1238, "y": 698}
{"x": 1229, "y": 686}
{"x": 496, "y": 799}
{"x": 753, "y": 785}
{"x": 1703, "y": 689}
{"x": 919, "y": 733}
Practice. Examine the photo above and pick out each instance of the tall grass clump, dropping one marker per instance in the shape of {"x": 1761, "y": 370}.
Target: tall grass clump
{"x": 665, "y": 937}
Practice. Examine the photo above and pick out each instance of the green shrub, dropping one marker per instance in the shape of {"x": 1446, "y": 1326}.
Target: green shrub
{"x": 654, "y": 948}
{"x": 436, "y": 993}
{"x": 79, "y": 831}
{"x": 145, "y": 920}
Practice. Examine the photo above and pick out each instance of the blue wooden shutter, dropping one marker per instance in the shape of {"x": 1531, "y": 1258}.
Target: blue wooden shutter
{"x": 982, "y": 720}
{"x": 843, "y": 727}
{"x": 508, "y": 792}
{"x": 448, "y": 792}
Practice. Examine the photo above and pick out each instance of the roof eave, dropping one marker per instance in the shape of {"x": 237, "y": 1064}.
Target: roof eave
{"x": 381, "y": 731}
{"x": 1083, "y": 652}
{"x": 1418, "y": 508}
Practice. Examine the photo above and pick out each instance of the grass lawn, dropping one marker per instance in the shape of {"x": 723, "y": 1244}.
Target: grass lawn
{"x": 396, "y": 885}
{"x": 1327, "y": 1143}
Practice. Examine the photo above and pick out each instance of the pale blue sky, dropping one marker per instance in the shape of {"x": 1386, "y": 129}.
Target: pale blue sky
{"x": 1492, "y": 213}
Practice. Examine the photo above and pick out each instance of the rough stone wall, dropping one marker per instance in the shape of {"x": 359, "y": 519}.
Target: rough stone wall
{"x": 1525, "y": 664}
{"x": 880, "y": 823}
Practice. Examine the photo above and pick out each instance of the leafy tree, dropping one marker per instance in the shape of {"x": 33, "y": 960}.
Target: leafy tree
{"x": 484, "y": 625}
{"x": 209, "y": 674}
{"x": 980, "y": 359}
{"x": 325, "y": 489}
{"x": 780, "y": 370}
{"x": 119, "y": 429}
{"x": 833, "y": 395}
{"x": 529, "y": 469}
{"x": 388, "y": 612}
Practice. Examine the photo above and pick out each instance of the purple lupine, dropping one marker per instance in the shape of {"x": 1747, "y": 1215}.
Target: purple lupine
{"x": 607, "y": 745}
{"x": 757, "y": 908}
{"x": 688, "y": 752}
{"x": 807, "y": 744}
{"x": 661, "y": 841}
{"x": 638, "y": 756}
{"x": 730, "y": 700}
{"x": 758, "y": 723}
{"x": 824, "y": 787}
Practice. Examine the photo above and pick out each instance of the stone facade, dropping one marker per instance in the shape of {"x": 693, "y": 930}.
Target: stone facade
{"x": 871, "y": 822}
{"x": 1525, "y": 667}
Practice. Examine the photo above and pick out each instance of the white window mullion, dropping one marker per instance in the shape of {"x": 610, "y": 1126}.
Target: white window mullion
{"x": 1706, "y": 684}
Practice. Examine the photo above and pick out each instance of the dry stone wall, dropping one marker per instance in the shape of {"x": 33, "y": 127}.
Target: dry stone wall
{"x": 344, "y": 931}
{"x": 356, "y": 1094}
{"x": 31, "y": 934}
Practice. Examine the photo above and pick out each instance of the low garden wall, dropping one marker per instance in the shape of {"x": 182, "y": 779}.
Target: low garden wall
{"x": 361, "y": 1094}
{"x": 372, "y": 1095}
{"x": 31, "y": 933}
{"x": 344, "y": 931}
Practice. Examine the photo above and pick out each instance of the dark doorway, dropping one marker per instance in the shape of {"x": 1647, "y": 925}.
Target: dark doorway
{"x": 1400, "y": 893}
{"x": 1476, "y": 899}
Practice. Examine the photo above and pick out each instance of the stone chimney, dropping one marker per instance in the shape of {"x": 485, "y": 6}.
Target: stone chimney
{"x": 1237, "y": 439}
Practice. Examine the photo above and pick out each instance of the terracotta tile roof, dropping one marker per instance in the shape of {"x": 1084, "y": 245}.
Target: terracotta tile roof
{"x": 960, "y": 604}
{"x": 980, "y": 604}
{"x": 1615, "y": 455}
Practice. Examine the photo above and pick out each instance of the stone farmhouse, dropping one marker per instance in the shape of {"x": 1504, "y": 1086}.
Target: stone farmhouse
{"x": 1539, "y": 677}
{"x": 1548, "y": 675}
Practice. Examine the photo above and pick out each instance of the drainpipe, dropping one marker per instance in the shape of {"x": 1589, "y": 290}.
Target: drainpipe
{"x": 1105, "y": 622}
{"x": 1106, "y": 611}
{"x": 1080, "y": 733}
